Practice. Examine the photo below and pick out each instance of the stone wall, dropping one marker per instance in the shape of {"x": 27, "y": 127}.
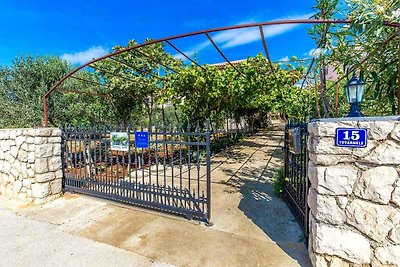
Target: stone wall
{"x": 30, "y": 163}
{"x": 354, "y": 197}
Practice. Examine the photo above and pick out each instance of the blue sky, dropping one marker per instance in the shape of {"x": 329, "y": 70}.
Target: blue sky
{"x": 81, "y": 30}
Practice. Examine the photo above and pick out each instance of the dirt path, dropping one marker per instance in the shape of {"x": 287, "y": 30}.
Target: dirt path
{"x": 251, "y": 226}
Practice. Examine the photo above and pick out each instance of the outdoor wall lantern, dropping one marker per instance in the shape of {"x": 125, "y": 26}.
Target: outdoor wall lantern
{"x": 355, "y": 91}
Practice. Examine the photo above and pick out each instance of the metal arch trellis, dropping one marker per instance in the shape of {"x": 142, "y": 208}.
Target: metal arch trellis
{"x": 201, "y": 32}
{"x": 91, "y": 166}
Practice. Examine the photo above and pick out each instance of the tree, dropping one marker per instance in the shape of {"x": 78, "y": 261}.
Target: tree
{"x": 366, "y": 46}
{"x": 22, "y": 87}
{"x": 134, "y": 79}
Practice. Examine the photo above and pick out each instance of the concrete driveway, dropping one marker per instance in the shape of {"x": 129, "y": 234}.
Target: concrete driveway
{"x": 251, "y": 227}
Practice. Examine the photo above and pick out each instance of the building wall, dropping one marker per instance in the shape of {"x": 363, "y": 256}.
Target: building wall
{"x": 30, "y": 163}
{"x": 354, "y": 197}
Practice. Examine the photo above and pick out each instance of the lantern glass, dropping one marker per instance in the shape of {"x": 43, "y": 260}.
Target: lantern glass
{"x": 360, "y": 92}
{"x": 355, "y": 90}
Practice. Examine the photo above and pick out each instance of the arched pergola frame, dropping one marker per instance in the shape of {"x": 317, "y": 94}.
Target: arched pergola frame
{"x": 168, "y": 40}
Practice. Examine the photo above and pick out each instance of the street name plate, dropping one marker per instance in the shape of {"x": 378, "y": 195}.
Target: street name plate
{"x": 351, "y": 137}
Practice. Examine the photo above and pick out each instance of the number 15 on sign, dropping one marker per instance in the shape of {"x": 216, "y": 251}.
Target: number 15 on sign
{"x": 351, "y": 137}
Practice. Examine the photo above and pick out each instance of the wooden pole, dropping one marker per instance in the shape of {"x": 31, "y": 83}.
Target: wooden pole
{"x": 316, "y": 96}
{"x": 337, "y": 100}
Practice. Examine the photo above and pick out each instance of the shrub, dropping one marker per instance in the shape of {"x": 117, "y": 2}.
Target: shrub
{"x": 279, "y": 182}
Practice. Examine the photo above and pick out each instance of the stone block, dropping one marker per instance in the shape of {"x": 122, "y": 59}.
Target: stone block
{"x": 376, "y": 184}
{"x": 31, "y": 132}
{"x": 57, "y": 150}
{"x": 41, "y": 165}
{"x": 19, "y": 141}
{"x": 378, "y": 130}
{"x": 394, "y": 234}
{"x": 59, "y": 174}
{"x": 388, "y": 256}
{"x": 44, "y": 132}
{"x": 16, "y": 168}
{"x": 56, "y": 186}
{"x": 6, "y": 167}
{"x": 9, "y": 158}
{"x": 31, "y": 148}
{"x": 24, "y": 168}
{"x": 45, "y": 177}
{"x": 362, "y": 152}
{"x": 40, "y": 190}
{"x": 24, "y": 146}
{"x": 396, "y": 194}
{"x": 31, "y": 157}
{"x": 385, "y": 153}
{"x": 11, "y": 142}
{"x": 56, "y": 132}
{"x": 328, "y": 129}
{"x": 13, "y": 134}
{"x": 315, "y": 173}
{"x": 396, "y": 132}
{"x": 44, "y": 151}
{"x": 342, "y": 202}
{"x": 373, "y": 220}
{"x": 326, "y": 145}
{"x": 22, "y": 155}
{"x": 11, "y": 177}
{"x": 31, "y": 173}
{"x": 17, "y": 186}
{"x": 26, "y": 183}
{"x": 335, "y": 180}
{"x": 14, "y": 151}
{"x": 325, "y": 208}
{"x": 55, "y": 140}
{"x": 54, "y": 164}
{"x": 30, "y": 140}
{"x": 343, "y": 243}
{"x": 330, "y": 261}
{"x": 41, "y": 140}
{"x": 327, "y": 160}
{"x": 5, "y": 178}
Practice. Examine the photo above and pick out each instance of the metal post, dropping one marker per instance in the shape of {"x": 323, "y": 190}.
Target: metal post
{"x": 286, "y": 149}
{"x": 45, "y": 115}
{"x": 64, "y": 160}
{"x": 208, "y": 162}
{"x": 306, "y": 219}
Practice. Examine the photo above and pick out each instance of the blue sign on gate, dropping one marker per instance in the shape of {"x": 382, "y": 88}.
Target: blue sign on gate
{"x": 351, "y": 137}
{"x": 142, "y": 139}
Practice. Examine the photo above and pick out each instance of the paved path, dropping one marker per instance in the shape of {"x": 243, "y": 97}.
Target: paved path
{"x": 251, "y": 226}
{"x": 27, "y": 242}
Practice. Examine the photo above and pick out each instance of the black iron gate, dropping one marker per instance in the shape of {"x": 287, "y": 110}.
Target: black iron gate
{"x": 171, "y": 173}
{"x": 296, "y": 178}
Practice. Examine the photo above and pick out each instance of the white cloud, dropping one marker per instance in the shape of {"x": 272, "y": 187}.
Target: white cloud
{"x": 238, "y": 37}
{"x": 284, "y": 59}
{"x": 182, "y": 57}
{"x": 316, "y": 53}
{"x": 85, "y": 56}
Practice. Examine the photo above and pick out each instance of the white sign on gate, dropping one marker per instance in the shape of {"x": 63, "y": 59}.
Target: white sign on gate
{"x": 119, "y": 141}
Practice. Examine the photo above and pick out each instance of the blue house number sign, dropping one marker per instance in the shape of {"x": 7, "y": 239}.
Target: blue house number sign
{"x": 142, "y": 139}
{"x": 351, "y": 137}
